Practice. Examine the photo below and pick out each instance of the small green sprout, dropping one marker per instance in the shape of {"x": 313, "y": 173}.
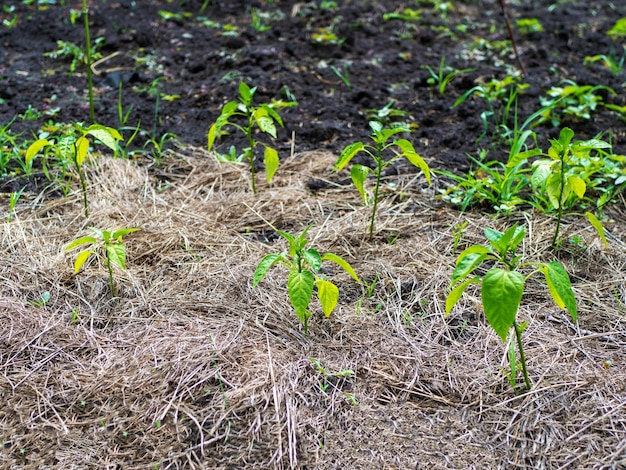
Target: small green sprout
{"x": 380, "y": 137}
{"x": 304, "y": 265}
{"x": 502, "y": 287}
{"x": 105, "y": 245}
{"x": 263, "y": 116}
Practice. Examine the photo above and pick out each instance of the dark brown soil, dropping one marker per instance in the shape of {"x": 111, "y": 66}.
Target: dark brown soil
{"x": 200, "y": 67}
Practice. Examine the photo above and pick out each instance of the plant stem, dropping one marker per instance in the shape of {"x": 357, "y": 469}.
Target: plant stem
{"x": 251, "y": 152}
{"x": 83, "y": 184}
{"x": 111, "y": 283}
{"x": 512, "y": 36}
{"x": 379, "y": 171}
{"x": 520, "y": 346}
{"x": 560, "y": 208}
{"x": 92, "y": 114}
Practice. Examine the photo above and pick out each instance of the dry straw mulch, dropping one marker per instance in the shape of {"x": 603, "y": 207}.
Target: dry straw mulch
{"x": 191, "y": 368}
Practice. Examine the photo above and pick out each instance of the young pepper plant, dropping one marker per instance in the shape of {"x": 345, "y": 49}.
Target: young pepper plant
{"x": 502, "y": 287}
{"x": 263, "y": 116}
{"x": 69, "y": 147}
{"x": 561, "y": 176}
{"x": 380, "y": 138}
{"x": 106, "y": 245}
{"x": 304, "y": 265}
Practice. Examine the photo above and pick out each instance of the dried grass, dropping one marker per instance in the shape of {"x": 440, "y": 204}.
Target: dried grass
{"x": 191, "y": 368}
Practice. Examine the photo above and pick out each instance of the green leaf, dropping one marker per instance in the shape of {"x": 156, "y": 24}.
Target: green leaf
{"x": 358, "y": 173}
{"x": 595, "y": 222}
{"x": 343, "y": 264}
{"x": 33, "y": 149}
{"x": 501, "y": 294}
{"x": 293, "y": 245}
{"x": 553, "y": 188}
{"x": 116, "y": 254}
{"x": 313, "y": 257}
{"x": 456, "y": 293}
{"x": 560, "y": 287}
{"x": 465, "y": 265}
{"x": 246, "y": 93}
{"x": 80, "y": 241}
{"x": 82, "y": 147}
{"x": 271, "y": 163}
{"x": 578, "y": 186}
{"x": 565, "y": 136}
{"x": 272, "y": 113}
{"x": 81, "y": 258}
{"x": 328, "y": 295}
{"x": 118, "y": 234}
{"x": 106, "y": 135}
{"x": 265, "y": 122}
{"x": 264, "y": 266}
{"x": 211, "y": 136}
{"x": 300, "y": 290}
{"x": 492, "y": 235}
{"x": 543, "y": 169}
{"x": 347, "y": 154}
{"x": 412, "y": 156}
{"x": 521, "y": 157}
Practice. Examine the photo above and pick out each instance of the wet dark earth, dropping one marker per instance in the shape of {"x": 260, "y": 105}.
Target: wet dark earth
{"x": 167, "y": 68}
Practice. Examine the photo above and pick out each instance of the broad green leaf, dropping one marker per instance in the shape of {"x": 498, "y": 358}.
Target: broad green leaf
{"x": 492, "y": 235}
{"x": 560, "y": 287}
{"x": 472, "y": 249}
{"x": 328, "y": 294}
{"x": 522, "y": 157}
{"x": 542, "y": 170}
{"x": 271, "y": 163}
{"x": 347, "y": 154}
{"x": 211, "y": 136}
{"x": 358, "y": 173}
{"x": 411, "y": 155}
{"x": 80, "y": 259}
{"x": 80, "y": 241}
{"x": 465, "y": 266}
{"x": 590, "y": 144}
{"x": 456, "y": 293}
{"x": 595, "y": 222}
{"x": 264, "y": 266}
{"x": 33, "y": 149}
{"x": 578, "y": 186}
{"x": 313, "y": 257}
{"x": 300, "y": 290}
{"x": 501, "y": 293}
{"x": 227, "y": 111}
{"x": 273, "y": 114}
{"x": 82, "y": 147}
{"x": 565, "y": 136}
{"x": 265, "y": 123}
{"x": 246, "y": 92}
{"x": 553, "y": 188}
{"x": 118, "y": 234}
{"x": 106, "y": 135}
{"x": 343, "y": 264}
{"x": 376, "y": 127}
{"x": 116, "y": 254}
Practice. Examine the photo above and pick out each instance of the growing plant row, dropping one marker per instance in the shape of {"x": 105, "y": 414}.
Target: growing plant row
{"x": 569, "y": 177}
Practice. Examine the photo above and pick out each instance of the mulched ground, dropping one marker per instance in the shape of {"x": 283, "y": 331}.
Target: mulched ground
{"x": 189, "y": 367}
